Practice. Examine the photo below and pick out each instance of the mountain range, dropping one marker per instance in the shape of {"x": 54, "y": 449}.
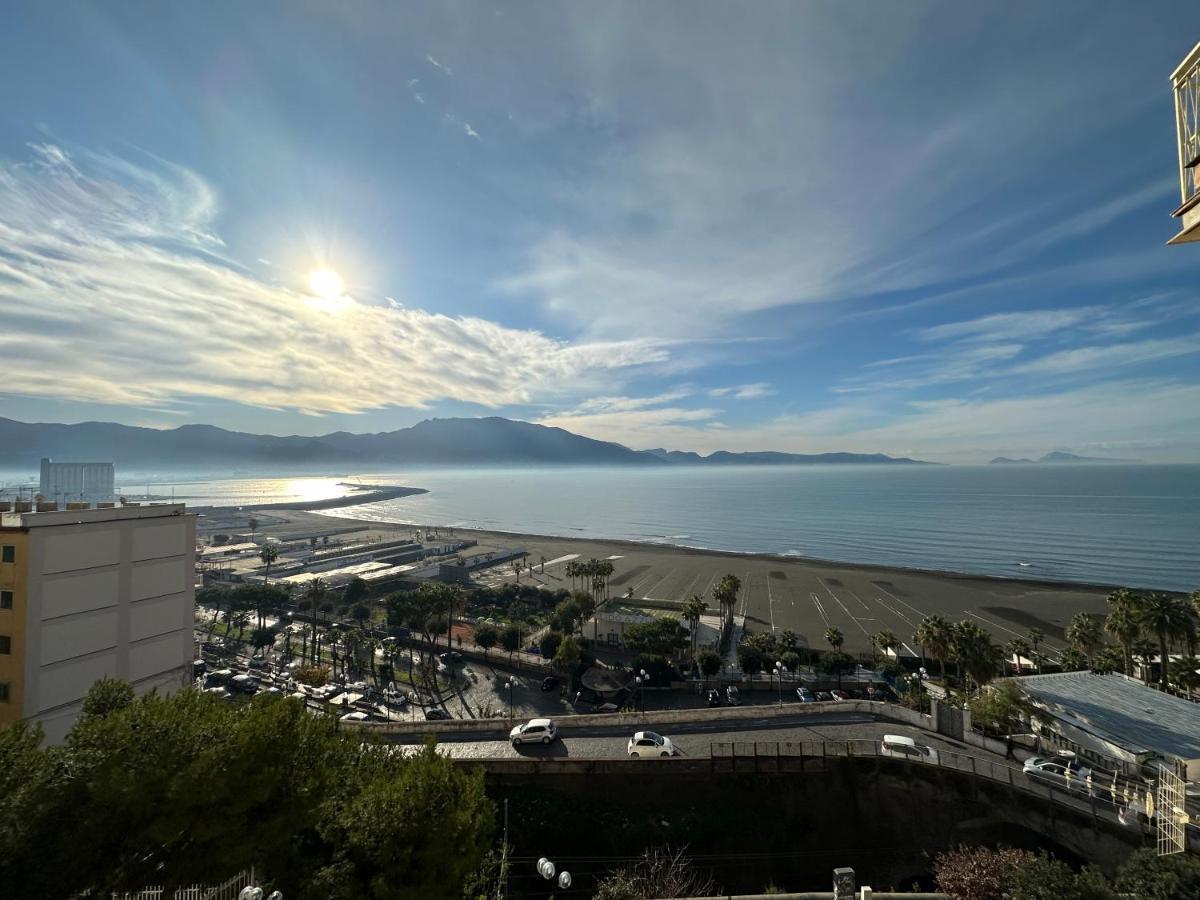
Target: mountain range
{"x": 1059, "y": 456}
{"x": 484, "y": 441}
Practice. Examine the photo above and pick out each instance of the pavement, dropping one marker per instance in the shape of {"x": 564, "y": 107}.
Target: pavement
{"x": 693, "y": 739}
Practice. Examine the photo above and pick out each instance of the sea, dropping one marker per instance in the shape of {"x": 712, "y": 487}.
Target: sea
{"x": 1137, "y": 526}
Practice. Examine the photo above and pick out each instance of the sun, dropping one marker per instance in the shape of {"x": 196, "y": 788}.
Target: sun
{"x": 326, "y": 283}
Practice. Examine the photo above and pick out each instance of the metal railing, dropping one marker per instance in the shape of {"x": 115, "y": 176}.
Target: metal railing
{"x": 1113, "y": 799}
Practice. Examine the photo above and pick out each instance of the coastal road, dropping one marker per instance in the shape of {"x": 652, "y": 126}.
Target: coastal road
{"x": 693, "y": 739}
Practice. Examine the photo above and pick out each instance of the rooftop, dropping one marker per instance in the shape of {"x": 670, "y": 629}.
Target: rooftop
{"x": 86, "y": 516}
{"x": 1121, "y": 710}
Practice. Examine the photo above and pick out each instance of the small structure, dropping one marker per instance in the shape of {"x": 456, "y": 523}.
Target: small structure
{"x": 1185, "y": 82}
{"x": 1111, "y": 718}
{"x": 607, "y": 625}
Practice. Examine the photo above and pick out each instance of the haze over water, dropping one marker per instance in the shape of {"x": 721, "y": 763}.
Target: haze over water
{"x": 1129, "y": 525}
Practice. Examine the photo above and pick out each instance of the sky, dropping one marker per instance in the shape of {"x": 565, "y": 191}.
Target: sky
{"x": 928, "y": 230}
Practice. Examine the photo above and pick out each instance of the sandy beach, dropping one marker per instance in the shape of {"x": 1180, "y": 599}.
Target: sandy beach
{"x": 778, "y": 592}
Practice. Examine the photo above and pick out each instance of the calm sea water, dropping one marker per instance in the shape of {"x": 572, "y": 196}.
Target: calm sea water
{"x": 1132, "y": 525}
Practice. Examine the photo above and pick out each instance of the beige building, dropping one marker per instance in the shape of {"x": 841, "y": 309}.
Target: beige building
{"x": 86, "y": 593}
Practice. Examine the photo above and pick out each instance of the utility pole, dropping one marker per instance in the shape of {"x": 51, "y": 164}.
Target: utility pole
{"x": 504, "y": 855}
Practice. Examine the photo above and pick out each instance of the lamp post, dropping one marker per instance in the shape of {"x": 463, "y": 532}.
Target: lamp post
{"x": 780, "y": 668}
{"x": 546, "y": 869}
{"x": 510, "y": 684}
{"x": 637, "y": 680}
{"x": 643, "y": 681}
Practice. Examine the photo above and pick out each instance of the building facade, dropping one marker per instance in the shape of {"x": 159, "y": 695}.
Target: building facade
{"x": 85, "y": 481}
{"x": 86, "y": 593}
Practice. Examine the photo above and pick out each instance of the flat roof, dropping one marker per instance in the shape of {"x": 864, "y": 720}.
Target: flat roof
{"x": 1121, "y": 710}
{"x": 86, "y": 516}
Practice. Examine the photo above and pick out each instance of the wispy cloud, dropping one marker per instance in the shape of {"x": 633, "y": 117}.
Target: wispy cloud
{"x": 439, "y": 66}
{"x": 111, "y": 292}
{"x": 1108, "y": 356}
{"x": 744, "y": 392}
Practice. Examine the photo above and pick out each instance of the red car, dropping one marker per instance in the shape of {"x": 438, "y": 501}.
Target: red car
{"x": 840, "y": 695}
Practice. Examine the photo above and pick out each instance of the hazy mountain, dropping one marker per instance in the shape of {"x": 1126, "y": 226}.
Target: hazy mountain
{"x": 488, "y": 441}
{"x": 1060, "y": 456}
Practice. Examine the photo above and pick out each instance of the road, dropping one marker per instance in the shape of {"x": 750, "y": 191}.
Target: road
{"x": 693, "y": 739}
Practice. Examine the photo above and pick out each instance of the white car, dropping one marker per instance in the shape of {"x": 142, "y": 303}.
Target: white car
{"x": 647, "y": 743}
{"x": 900, "y": 747}
{"x": 1062, "y": 769}
{"x": 535, "y": 731}
{"x": 355, "y": 716}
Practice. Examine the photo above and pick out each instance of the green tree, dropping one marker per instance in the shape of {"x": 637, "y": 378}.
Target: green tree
{"x": 834, "y": 638}
{"x": 1122, "y": 623}
{"x": 566, "y": 659}
{"x": 1036, "y": 639}
{"x": 262, "y": 638}
{"x": 1004, "y": 707}
{"x": 486, "y": 636}
{"x": 361, "y": 613}
{"x": 836, "y": 664}
{"x": 1169, "y": 618}
{"x": 1147, "y": 876}
{"x": 751, "y": 658}
{"x": 1073, "y": 660}
{"x": 549, "y": 644}
{"x": 356, "y": 591}
{"x": 691, "y": 611}
{"x": 885, "y": 640}
{"x": 107, "y": 696}
{"x": 510, "y": 640}
{"x": 1017, "y": 649}
{"x": 709, "y": 662}
{"x": 315, "y": 595}
{"x": 1045, "y": 878}
{"x": 1086, "y": 633}
{"x": 934, "y": 636}
{"x": 268, "y": 555}
{"x": 662, "y": 637}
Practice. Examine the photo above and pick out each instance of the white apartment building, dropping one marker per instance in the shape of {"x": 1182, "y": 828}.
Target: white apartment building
{"x": 86, "y": 593}
{"x": 64, "y": 482}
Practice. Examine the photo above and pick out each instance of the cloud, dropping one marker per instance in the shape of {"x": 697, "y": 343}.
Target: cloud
{"x": 1107, "y": 356}
{"x": 1010, "y": 326}
{"x": 744, "y": 392}
{"x": 628, "y": 421}
{"x": 113, "y": 290}
{"x": 437, "y": 65}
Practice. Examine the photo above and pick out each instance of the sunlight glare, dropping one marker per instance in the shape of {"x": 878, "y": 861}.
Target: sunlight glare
{"x": 326, "y": 283}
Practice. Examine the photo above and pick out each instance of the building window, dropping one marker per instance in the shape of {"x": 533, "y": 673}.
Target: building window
{"x": 5, "y": 644}
{"x": 6, "y": 599}
{"x": 8, "y": 553}
{"x": 3, "y": 691}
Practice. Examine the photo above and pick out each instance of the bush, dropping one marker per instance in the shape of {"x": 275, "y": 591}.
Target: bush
{"x": 549, "y": 644}
{"x": 659, "y": 669}
{"x": 979, "y": 873}
{"x": 1149, "y": 876}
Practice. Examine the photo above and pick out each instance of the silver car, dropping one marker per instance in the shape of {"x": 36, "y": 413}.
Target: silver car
{"x": 1061, "y": 770}
{"x": 535, "y": 731}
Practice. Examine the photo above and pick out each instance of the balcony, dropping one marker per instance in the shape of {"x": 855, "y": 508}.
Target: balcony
{"x": 1185, "y": 82}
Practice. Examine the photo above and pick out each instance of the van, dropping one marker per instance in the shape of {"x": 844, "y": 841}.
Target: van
{"x": 901, "y": 747}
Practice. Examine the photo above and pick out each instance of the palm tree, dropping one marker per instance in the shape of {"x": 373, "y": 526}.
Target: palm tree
{"x": 315, "y": 596}
{"x": 1144, "y": 651}
{"x": 1018, "y": 649}
{"x": 834, "y": 638}
{"x": 1169, "y": 618}
{"x": 692, "y": 610}
{"x": 1122, "y": 623}
{"x": 885, "y": 641}
{"x": 268, "y": 555}
{"x": 933, "y": 634}
{"x": 1035, "y": 642}
{"x": 1085, "y": 632}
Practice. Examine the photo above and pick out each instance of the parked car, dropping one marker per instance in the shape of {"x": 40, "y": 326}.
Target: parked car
{"x": 1062, "y": 770}
{"x": 450, "y": 656}
{"x": 219, "y": 678}
{"x": 218, "y": 692}
{"x": 733, "y": 696}
{"x": 824, "y": 696}
{"x": 535, "y": 731}
{"x": 199, "y": 667}
{"x": 550, "y": 682}
{"x": 901, "y": 747}
{"x": 648, "y": 743}
{"x": 714, "y": 697}
{"x": 839, "y": 694}
{"x": 804, "y": 695}
{"x": 355, "y": 716}
{"x": 435, "y": 714}
{"x": 258, "y": 662}
{"x": 243, "y": 684}
{"x": 607, "y": 708}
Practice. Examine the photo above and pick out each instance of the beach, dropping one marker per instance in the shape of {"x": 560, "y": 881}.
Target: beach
{"x": 778, "y": 592}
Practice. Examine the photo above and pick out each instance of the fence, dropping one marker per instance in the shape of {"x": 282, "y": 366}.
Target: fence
{"x": 227, "y": 890}
{"x": 1116, "y": 800}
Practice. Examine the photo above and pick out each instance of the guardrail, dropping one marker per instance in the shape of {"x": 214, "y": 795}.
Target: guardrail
{"x": 1116, "y": 801}
{"x": 888, "y": 711}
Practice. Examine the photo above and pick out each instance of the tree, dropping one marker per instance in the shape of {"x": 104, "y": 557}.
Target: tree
{"x": 834, "y": 638}
{"x": 661, "y": 872}
{"x": 1148, "y": 876}
{"x": 107, "y": 696}
{"x": 664, "y": 636}
{"x": 268, "y": 555}
{"x": 315, "y": 595}
{"x": 885, "y": 640}
{"x": 261, "y": 638}
{"x": 691, "y": 611}
{"x": 1185, "y": 674}
{"x": 566, "y": 659}
{"x": 933, "y": 634}
{"x": 486, "y": 636}
{"x": 1018, "y": 649}
{"x": 252, "y": 524}
{"x": 1086, "y": 633}
{"x": 361, "y": 613}
{"x": 357, "y": 591}
{"x": 1169, "y": 618}
{"x": 1035, "y": 642}
{"x": 182, "y": 789}
{"x": 1073, "y": 660}
{"x": 837, "y": 664}
{"x": 979, "y": 873}
{"x": 1144, "y": 651}
{"x": 549, "y": 644}
{"x": 1045, "y": 878}
{"x": 1122, "y": 623}
{"x": 566, "y": 616}
{"x": 1004, "y": 707}
{"x": 709, "y": 662}
{"x": 726, "y": 595}
{"x": 510, "y": 640}
{"x": 750, "y": 658}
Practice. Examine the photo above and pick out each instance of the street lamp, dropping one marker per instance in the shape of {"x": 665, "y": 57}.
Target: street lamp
{"x": 637, "y": 679}
{"x": 510, "y": 684}
{"x": 546, "y": 870}
{"x": 780, "y": 668}
{"x": 645, "y": 681}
